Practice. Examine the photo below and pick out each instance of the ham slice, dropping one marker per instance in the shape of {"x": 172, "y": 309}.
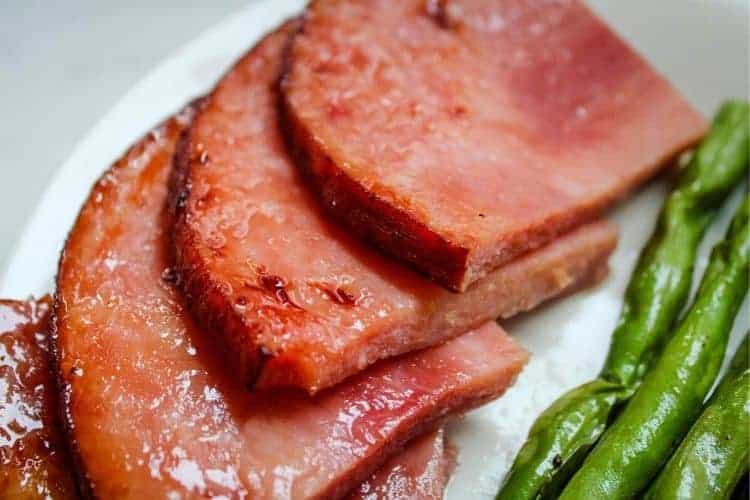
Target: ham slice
{"x": 295, "y": 300}
{"x": 421, "y": 472}
{"x": 154, "y": 413}
{"x": 34, "y": 460}
{"x": 33, "y": 456}
{"x": 457, "y": 135}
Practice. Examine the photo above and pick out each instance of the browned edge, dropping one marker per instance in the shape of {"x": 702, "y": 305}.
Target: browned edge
{"x": 206, "y": 298}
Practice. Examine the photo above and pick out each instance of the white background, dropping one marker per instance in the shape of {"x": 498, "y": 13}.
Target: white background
{"x": 63, "y": 65}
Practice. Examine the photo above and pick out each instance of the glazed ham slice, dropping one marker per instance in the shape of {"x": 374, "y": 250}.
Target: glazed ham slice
{"x": 296, "y": 300}
{"x": 152, "y": 411}
{"x": 34, "y": 461}
{"x": 459, "y": 134}
{"x": 33, "y": 456}
{"x": 421, "y": 472}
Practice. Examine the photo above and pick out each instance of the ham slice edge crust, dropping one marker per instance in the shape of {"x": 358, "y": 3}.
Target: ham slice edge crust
{"x": 293, "y": 298}
{"x": 149, "y": 406}
{"x": 406, "y": 149}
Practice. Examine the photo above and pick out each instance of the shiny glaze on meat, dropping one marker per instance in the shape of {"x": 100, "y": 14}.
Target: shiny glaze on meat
{"x": 33, "y": 455}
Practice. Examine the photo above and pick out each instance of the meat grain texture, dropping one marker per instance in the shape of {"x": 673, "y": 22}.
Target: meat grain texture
{"x": 152, "y": 410}
{"x": 34, "y": 461}
{"x": 457, "y": 135}
{"x": 295, "y": 299}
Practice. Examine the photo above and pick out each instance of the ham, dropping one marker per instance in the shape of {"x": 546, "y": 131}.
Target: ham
{"x": 457, "y": 135}
{"x": 34, "y": 460}
{"x": 33, "y": 455}
{"x": 295, "y": 300}
{"x": 419, "y": 473}
{"x": 151, "y": 408}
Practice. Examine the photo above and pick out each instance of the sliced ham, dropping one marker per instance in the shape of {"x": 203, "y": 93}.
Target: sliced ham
{"x": 153, "y": 412}
{"x": 459, "y": 134}
{"x": 34, "y": 462}
{"x": 295, "y": 300}
{"x": 420, "y": 472}
{"x": 33, "y": 455}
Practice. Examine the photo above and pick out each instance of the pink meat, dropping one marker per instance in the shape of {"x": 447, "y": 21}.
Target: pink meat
{"x": 293, "y": 298}
{"x": 459, "y": 134}
{"x": 152, "y": 411}
{"x": 420, "y": 472}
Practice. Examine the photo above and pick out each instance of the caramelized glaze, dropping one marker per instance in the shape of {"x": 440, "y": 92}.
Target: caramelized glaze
{"x": 33, "y": 456}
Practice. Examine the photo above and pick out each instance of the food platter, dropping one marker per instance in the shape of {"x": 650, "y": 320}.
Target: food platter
{"x": 701, "y": 47}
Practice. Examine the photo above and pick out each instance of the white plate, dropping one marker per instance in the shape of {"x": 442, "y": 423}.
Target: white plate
{"x": 700, "y": 45}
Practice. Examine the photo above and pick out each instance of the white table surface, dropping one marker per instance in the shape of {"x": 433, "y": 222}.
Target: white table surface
{"x": 63, "y": 64}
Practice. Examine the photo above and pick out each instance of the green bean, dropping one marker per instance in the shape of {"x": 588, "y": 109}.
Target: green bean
{"x": 661, "y": 283}
{"x": 659, "y": 287}
{"x": 660, "y": 413}
{"x": 714, "y": 455}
